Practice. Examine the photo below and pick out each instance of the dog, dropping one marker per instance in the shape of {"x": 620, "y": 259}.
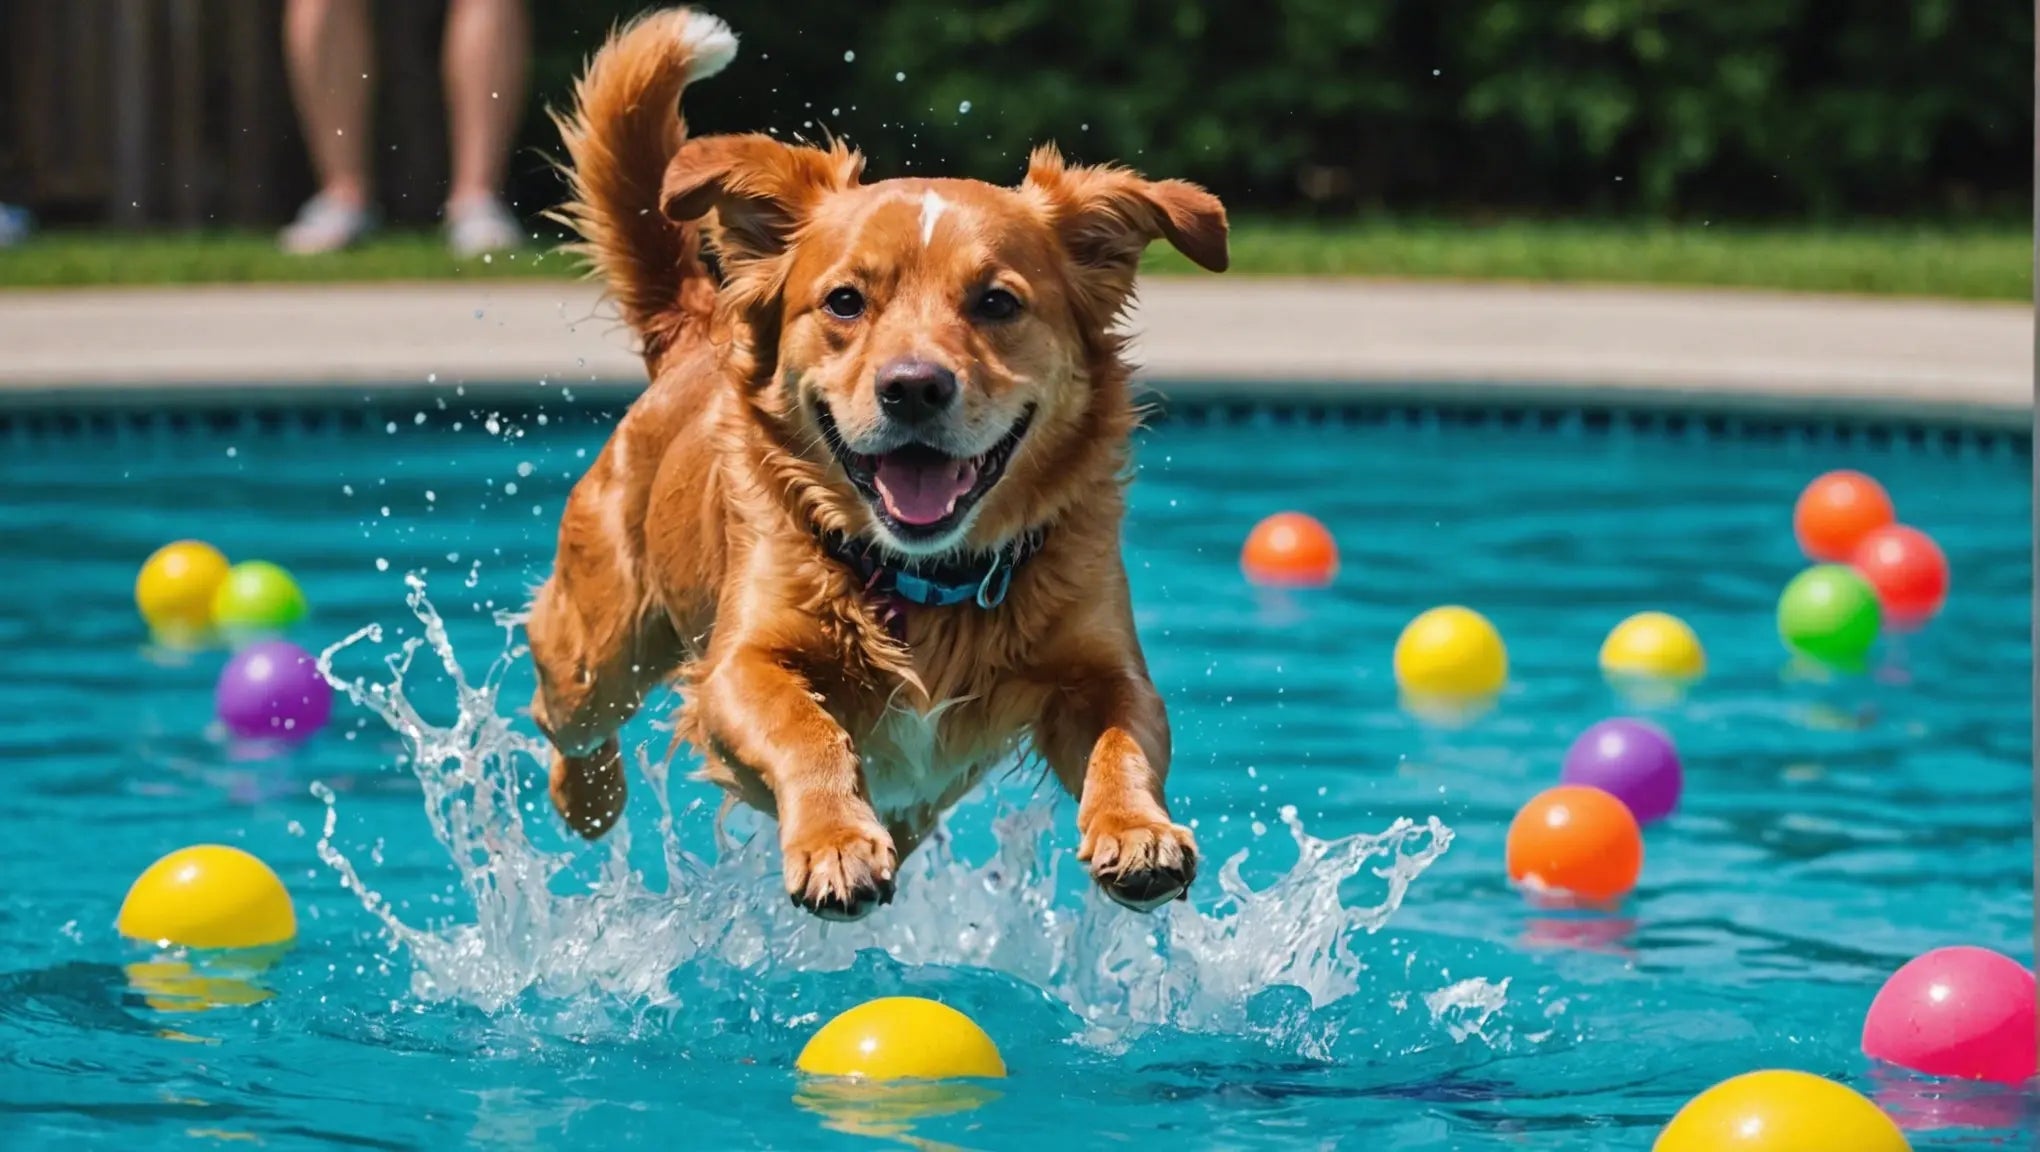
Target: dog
{"x": 867, "y": 513}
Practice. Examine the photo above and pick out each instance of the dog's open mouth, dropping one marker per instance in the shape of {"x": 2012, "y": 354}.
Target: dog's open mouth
{"x": 922, "y": 492}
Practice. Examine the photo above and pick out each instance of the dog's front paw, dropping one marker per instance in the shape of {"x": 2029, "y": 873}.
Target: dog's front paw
{"x": 839, "y": 871}
{"x": 1142, "y": 862}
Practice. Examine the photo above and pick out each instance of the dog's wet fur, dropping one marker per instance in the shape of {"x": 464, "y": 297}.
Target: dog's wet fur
{"x": 928, "y": 367}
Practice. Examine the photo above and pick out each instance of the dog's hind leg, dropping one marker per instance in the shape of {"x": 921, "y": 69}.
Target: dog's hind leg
{"x": 599, "y": 646}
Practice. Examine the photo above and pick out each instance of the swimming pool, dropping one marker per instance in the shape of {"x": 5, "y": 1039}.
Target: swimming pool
{"x": 525, "y": 993}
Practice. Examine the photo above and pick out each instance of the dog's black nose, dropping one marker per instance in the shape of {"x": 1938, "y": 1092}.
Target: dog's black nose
{"x": 915, "y": 391}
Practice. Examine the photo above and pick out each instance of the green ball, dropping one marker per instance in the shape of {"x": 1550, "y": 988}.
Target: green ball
{"x": 257, "y": 596}
{"x": 1829, "y": 613}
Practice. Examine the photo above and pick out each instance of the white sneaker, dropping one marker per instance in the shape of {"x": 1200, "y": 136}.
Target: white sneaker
{"x": 481, "y": 225}
{"x": 15, "y": 225}
{"x": 326, "y": 225}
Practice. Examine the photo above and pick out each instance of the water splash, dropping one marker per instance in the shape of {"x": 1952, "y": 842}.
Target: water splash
{"x": 1465, "y": 1007}
{"x": 623, "y": 940}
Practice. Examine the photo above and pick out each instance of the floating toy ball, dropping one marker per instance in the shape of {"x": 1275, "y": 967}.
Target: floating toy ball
{"x": 1577, "y": 842}
{"x": 273, "y": 691}
{"x": 209, "y": 896}
{"x": 1829, "y": 613}
{"x": 1780, "y": 1112}
{"x": 1907, "y": 571}
{"x": 1631, "y": 760}
{"x": 902, "y": 1038}
{"x": 1961, "y": 1012}
{"x": 1836, "y": 511}
{"x": 175, "y": 588}
{"x": 257, "y": 597}
{"x": 1451, "y": 653}
{"x": 1290, "y": 549}
{"x": 1653, "y": 645}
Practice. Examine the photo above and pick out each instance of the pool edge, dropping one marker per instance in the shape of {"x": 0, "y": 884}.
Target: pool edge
{"x": 1287, "y": 341}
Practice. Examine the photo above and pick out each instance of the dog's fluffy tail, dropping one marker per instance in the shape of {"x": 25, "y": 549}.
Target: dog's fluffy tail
{"x": 622, "y": 130}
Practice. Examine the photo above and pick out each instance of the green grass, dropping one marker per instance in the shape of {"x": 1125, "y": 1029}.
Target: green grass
{"x": 1976, "y": 263}
{"x": 66, "y": 259}
{"x": 1985, "y": 262}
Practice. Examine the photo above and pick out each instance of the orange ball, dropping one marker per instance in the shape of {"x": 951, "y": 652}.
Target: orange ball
{"x": 1292, "y": 549}
{"x": 1577, "y": 841}
{"x": 1907, "y": 570}
{"x": 1836, "y": 511}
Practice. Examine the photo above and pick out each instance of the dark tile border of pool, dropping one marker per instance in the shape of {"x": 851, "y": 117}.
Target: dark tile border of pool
{"x": 117, "y": 413}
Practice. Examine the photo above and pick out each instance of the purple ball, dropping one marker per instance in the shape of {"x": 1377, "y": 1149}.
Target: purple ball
{"x": 1632, "y": 760}
{"x": 273, "y": 691}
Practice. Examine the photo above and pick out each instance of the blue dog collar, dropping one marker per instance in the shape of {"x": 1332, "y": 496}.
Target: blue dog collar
{"x": 981, "y": 579}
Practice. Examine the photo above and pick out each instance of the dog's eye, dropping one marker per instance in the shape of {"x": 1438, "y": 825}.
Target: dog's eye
{"x": 844, "y": 303}
{"x": 996, "y": 304}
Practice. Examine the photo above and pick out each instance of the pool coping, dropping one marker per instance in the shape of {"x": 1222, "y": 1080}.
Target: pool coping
{"x": 1310, "y": 341}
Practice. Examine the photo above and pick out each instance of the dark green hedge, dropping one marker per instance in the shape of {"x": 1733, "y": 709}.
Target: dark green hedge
{"x": 1745, "y": 108}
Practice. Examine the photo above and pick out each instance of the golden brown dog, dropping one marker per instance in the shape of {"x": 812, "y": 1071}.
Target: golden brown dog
{"x": 868, "y": 511}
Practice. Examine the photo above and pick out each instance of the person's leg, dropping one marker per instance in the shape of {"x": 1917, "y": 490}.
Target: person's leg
{"x": 488, "y": 56}
{"x": 328, "y": 47}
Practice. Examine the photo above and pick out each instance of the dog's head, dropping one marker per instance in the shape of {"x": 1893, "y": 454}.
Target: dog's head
{"x": 934, "y": 352}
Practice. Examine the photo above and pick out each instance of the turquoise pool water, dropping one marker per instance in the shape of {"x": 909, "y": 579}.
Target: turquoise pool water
{"x": 1353, "y": 981}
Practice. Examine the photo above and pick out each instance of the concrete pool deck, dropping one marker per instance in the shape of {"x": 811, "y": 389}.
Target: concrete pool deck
{"x": 1971, "y": 363}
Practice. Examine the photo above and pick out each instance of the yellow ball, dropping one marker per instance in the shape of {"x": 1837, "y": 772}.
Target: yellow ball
{"x": 1654, "y": 645}
{"x": 1780, "y": 1112}
{"x": 208, "y": 896}
{"x": 175, "y": 588}
{"x": 902, "y": 1038}
{"x": 1451, "y": 653}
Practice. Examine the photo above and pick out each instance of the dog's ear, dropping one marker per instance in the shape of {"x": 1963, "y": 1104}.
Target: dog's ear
{"x": 1107, "y": 216}
{"x": 759, "y": 188}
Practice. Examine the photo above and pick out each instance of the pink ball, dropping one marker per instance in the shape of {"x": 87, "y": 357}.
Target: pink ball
{"x": 1958, "y": 1012}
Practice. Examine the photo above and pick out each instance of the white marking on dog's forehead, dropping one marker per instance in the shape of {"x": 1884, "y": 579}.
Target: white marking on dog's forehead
{"x": 932, "y": 208}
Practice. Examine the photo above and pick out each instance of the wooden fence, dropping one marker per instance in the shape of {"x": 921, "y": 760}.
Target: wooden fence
{"x": 178, "y": 112}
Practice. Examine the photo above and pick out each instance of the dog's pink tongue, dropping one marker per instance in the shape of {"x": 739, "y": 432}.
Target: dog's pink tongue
{"x": 922, "y": 491}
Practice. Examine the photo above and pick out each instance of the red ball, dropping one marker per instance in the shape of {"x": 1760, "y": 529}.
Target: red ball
{"x": 1907, "y": 570}
{"x": 1290, "y": 549}
{"x": 1836, "y": 511}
